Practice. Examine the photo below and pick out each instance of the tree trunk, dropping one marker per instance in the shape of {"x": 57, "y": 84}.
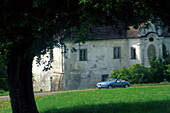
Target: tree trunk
{"x": 20, "y": 83}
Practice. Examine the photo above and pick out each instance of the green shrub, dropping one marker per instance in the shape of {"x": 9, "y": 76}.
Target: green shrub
{"x": 120, "y": 73}
{"x": 167, "y": 73}
{"x": 135, "y": 74}
{"x": 166, "y": 63}
{"x": 158, "y": 71}
{"x": 2, "y": 91}
{"x": 139, "y": 74}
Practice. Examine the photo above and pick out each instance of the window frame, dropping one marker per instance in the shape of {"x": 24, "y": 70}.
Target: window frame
{"x": 83, "y": 55}
{"x": 104, "y": 77}
{"x": 133, "y": 53}
{"x": 116, "y": 55}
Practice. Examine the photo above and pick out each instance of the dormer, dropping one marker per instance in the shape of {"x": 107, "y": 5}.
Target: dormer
{"x": 150, "y": 28}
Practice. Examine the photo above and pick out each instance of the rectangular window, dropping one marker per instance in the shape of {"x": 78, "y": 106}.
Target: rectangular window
{"x": 104, "y": 77}
{"x": 83, "y": 54}
{"x": 116, "y": 52}
{"x": 133, "y": 53}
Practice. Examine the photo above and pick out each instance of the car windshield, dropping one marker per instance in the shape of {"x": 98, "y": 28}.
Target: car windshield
{"x": 112, "y": 80}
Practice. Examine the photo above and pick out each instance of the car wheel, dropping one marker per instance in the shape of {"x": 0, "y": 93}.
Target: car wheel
{"x": 110, "y": 87}
{"x": 126, "y": 86}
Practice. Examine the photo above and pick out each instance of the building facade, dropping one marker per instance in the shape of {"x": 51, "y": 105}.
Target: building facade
{"x": 82, "y": 65}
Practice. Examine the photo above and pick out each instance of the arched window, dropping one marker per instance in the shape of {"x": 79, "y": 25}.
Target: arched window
{"x": 151, "y": 51}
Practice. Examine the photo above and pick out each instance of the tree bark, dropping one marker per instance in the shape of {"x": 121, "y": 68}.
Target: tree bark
{"x": 20, "y": 83}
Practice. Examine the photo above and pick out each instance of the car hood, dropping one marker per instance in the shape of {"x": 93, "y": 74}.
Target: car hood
{"x": 105, "y": 82}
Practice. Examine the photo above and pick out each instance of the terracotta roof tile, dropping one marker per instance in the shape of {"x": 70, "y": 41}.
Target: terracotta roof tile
{"x": 133, "y": 32}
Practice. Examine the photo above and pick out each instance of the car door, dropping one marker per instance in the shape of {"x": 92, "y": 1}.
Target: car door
{"x": 119, "y": 83}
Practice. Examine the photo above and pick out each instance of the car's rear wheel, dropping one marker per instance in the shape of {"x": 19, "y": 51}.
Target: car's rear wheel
{"x": 110, "y": 87}
{"x": 126, "y": 86}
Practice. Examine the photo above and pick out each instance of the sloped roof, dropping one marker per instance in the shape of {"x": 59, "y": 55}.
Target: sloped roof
{"x": 108, "y": 32}
{"x": 133, "y": 33}
{"x": 115, "y": 32}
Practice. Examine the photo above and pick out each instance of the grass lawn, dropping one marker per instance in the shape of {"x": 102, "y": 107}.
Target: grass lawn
{"x": 132, "y": 85}
{"x": 150, "y": 84}
{"x": 120, "y": 100}
{"x": 4, "y": 93}
{"x": 7, "y": 93}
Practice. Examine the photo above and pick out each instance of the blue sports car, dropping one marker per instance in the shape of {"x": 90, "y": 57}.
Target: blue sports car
{"x": 113, "y": 82}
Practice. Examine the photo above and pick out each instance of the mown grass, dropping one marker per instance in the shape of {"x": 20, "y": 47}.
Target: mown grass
{"x": 151, "y": 84}
{"x": 120, "y": 100}
{"x": 4, "y": 93}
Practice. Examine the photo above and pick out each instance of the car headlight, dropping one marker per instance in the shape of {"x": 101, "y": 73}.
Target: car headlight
{"x": 101, "y": 84}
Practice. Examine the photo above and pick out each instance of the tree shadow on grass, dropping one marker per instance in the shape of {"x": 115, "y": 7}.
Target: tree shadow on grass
{"x": 141, "y": 107}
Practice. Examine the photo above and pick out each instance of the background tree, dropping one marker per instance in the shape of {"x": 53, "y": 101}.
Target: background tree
{"x": 3, "y": 74}
{"x": 27, "y": 27}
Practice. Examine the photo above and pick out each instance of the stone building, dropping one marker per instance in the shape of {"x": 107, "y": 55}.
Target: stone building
{"x": 85, "y": 64}
{"x": 48, "y": 80}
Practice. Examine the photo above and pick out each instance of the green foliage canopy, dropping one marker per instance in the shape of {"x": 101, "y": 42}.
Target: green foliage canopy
{"x": 29, "y": 26}
{"x": 3, "y": 73}
{"x": 34, "y": 22}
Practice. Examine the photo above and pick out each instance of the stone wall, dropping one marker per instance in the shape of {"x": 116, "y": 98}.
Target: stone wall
{"x": 166, "y": 42}
{"x": 50, "y": 80}
{"x": 100, "y": 61}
